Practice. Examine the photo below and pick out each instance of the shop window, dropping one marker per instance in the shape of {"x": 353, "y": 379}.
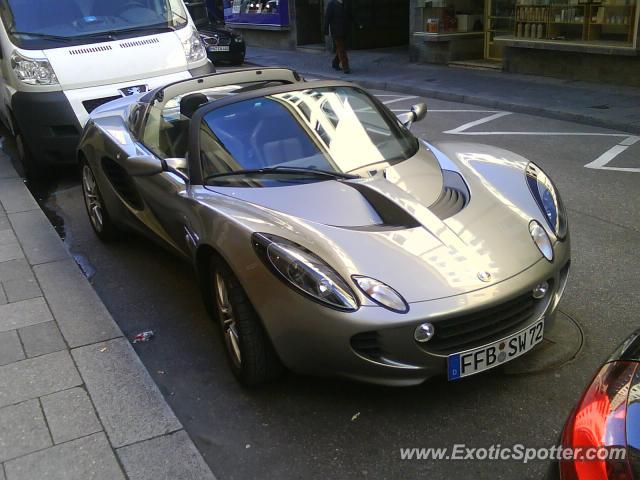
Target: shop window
{"x": 258, "y": 12}
{"x": 606, "y": 22}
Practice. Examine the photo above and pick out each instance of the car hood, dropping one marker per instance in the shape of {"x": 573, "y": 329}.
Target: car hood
{"x": 118, "y": 61}
{"x": 426, "y": 259}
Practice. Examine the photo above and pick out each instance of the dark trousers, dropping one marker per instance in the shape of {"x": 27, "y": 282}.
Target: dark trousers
{"x": 341, "y": 59}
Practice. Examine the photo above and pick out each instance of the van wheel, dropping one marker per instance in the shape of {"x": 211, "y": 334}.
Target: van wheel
{"x": 31, "y": 168}
{"x": 252, "y": 358}
{"x": 98, "y": 216}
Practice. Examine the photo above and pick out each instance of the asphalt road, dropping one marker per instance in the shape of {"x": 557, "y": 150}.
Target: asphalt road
{"x": 305, "y": 427}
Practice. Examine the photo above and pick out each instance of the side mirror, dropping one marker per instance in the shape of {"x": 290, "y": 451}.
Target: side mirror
{"x": 143, "y": 166}
{"x": 417, "y": 113}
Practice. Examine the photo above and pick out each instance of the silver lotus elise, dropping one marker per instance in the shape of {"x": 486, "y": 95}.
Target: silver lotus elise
{"x": 326, "y": 237}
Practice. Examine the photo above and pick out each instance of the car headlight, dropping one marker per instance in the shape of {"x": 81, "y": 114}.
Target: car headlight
{"x": 541, "y": 239}
{"x": 33, "y": 71}
{"x": 194, "y": 49}
{"x": 304, "y": 271}
{"x": 381, "y": 293}
{"x": 548, "y": 199}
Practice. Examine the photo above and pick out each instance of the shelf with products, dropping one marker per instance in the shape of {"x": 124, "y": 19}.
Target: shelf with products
{"x": 611, "y": 21}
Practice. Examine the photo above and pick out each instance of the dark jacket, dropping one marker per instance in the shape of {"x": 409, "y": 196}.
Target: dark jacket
{"x": 338, "y": 19}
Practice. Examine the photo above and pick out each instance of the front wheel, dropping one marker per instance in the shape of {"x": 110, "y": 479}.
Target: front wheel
{"x": 98, "y": 216}
{"x": 252, "y": 358}
{"x": 31, "y": 168}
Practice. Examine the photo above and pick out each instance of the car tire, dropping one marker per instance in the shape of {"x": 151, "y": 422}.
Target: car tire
{"x": 99, "y": 217}
{"x": 32, "y": 169}
{"x": 252, "y": 358}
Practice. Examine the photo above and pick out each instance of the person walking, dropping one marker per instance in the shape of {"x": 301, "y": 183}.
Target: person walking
{"x": 337, "y": 21}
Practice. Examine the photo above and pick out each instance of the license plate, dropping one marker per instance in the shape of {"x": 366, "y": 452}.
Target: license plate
{"x": 218, "y": 49}
{"x": 134, "y": 90}
{"x": 488, "y": 356}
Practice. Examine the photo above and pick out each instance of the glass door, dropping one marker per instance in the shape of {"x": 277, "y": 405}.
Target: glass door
{"x": 499, "y": 20}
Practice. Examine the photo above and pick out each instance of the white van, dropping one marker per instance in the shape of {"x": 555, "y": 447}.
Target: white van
{"x": 61, "y": 59}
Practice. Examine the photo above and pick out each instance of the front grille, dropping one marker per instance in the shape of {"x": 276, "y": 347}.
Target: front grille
{"x": 367, "y": 344}
{"x": 450, "y": 202}
{"x": 83, "y": 50}
{"x": 139, "y": 43}
{"x": 91, "y": 105}
{"x": 468, "y": 331}
{"x": 217, "y": 41}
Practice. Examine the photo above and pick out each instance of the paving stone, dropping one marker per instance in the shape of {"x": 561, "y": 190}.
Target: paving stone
{"x": 3, "y": 296}
{"x": 21, "y": 289}
{"x": 81, "y": 315}
{"x": 6, "y": 171}
{"x": 128, "y": 402}
{"x": 4, "y": 221}
{"x": 7, "y": 237}
{"x": 10, "y": 252}
{"x": 165, "y": 458}
{"x": 41, "y": 339}
{"x": 22, "y": 314}
{"x": 22, "y": 430}
{"x": 88, "y": 458}
{"x": 14, "y": 270}
{"x": 15, "y": 197}
{"x": 39, "y": 240}
{"x": 36, "y": 377}
{"x": 10, "y": 348}
{"x": 70, "y": 415}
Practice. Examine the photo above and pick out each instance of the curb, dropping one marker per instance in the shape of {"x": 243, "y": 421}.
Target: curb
{"x": 140, "y": 437}
{"x": 483, "y": 102}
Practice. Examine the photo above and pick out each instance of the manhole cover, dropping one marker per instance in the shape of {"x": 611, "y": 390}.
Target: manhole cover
{"x": 562, "y": 342}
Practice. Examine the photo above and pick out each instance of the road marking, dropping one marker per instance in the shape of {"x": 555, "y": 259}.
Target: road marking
{"x": 452, "y": 111}
{"x": 401, "y": 99}
{"x": 601, "y": 162}
{"x": 469, "y": 125}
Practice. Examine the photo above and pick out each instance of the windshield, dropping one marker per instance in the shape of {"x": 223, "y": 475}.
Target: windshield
{"x": 46, "y": 23}
{"x": 332, "y": 129}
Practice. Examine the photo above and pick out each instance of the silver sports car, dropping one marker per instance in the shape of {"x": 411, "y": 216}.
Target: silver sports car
{"x": 326, "y": 237}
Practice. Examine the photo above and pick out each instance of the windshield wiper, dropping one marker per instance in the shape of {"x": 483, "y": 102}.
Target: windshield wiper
{"x": 285, "y": 171}
{"x": 114, "y": 33}
{"x": 44, "y": 36}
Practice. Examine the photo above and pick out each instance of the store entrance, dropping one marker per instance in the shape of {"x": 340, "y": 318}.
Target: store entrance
{"x": 499, "y": 20}
{"x": 309, "y": 18}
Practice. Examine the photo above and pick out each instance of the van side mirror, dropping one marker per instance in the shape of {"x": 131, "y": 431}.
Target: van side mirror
{"x": 417, "y": 113}
{"x": 143, "y": 166}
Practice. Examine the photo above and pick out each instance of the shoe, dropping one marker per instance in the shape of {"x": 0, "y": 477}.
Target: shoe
{"x": 348, "y": 71}
{"x": 336, "y": 67}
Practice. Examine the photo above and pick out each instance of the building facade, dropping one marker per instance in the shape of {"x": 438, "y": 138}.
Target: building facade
{"x": 592, "y": 40}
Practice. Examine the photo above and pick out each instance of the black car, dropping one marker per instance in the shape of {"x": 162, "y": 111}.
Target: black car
{"x": 607, "y": 418}
{"x": 222, "y": 43}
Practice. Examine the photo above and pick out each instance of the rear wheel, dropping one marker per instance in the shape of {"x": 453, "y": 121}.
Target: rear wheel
{"x": 252, "y": 358}
{"x": 98, "y": 216}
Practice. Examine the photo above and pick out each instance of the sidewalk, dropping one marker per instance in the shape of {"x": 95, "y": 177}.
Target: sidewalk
{"x": 76, "y": 402}
{"x": 607, "y": 106}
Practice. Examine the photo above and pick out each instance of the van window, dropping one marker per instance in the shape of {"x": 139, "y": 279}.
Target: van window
{"x": 39, "y": 24}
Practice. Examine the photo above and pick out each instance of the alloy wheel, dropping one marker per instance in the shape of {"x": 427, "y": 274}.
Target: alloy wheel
{"x": 92, "y": 198}
{"x": 227, "y": 319}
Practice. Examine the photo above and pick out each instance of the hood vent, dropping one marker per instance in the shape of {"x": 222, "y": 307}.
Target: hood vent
{"x": 454, "y": 197}
{"x": 391, "y": 214}
{"x": 81, "y": 51}
{"x": 139, "y": 43}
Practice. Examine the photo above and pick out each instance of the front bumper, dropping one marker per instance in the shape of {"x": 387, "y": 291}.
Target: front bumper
{"x": 313, "y": 339}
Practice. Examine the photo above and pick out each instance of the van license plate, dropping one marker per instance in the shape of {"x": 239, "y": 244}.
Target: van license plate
{"x": 218, "y": 49}
{"x": 488, "y": 356}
